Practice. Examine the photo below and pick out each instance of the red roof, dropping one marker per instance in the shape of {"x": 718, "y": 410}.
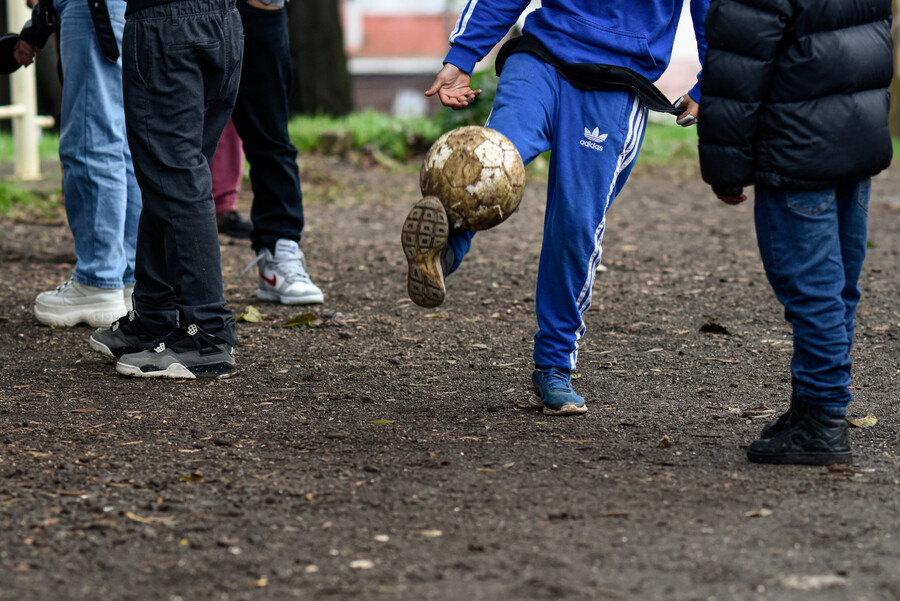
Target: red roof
{"x": 403, "y": 36}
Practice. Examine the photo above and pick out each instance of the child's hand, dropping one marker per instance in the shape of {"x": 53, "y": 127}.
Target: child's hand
{"x": 691, "y": 111}
{"x": 452, "y": 87}
{"x": 733, "y": 200}
{"x": 25, "y": 53}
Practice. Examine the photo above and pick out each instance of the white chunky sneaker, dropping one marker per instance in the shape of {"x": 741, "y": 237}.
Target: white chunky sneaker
{"x": 283, "y": 278}
{"x": 128, "y": 293}
{"x": 73, "y": 303}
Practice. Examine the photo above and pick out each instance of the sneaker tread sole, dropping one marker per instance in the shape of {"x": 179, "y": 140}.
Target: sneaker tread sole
{"x": 425, "y": 232}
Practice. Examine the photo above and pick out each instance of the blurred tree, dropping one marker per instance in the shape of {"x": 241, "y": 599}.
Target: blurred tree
{"x": 321, "y": 78}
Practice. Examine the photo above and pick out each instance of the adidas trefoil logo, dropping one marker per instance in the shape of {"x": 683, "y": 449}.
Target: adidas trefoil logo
{"x": 593, "y": 139}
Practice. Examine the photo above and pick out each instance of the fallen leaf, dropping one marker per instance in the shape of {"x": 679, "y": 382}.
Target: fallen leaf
{"x": 308, "y": 320}
{"x": 251, "y": 315}
{"x": 758, "y": 513}
{"x": 333, "y": 318}
{"x": 382, "y": 421}
{"x": 862, "y": 422}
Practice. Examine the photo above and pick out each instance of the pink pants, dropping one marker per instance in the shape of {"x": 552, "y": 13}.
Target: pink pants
{"x": 227, "y": 167}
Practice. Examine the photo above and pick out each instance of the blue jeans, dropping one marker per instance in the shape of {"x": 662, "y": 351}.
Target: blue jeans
{"x": 813, "y": 245}
{"x": 103, "y": 201}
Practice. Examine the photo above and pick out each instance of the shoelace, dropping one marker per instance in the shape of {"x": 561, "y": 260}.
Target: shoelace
{"x": 556, "y": 380}
{"x": 65, "y": 285}
{"x": 252, "y": 263}
{"x": 292, "y": 268}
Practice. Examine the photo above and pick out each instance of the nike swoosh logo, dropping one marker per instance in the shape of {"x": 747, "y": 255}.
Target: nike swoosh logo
{"x": 270, "y": 281}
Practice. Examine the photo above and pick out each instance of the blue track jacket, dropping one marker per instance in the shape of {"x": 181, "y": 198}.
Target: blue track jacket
{"x": 637, "y": 34}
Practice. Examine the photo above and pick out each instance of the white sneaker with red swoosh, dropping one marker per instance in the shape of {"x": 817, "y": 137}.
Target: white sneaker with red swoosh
{"x": 283, "y": 278}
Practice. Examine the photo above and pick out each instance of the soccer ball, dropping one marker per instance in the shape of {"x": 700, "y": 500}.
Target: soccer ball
{"x": 477, "y": 174}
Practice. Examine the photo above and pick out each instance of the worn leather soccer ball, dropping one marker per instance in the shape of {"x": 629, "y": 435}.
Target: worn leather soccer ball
{"x": 477, "y": 174}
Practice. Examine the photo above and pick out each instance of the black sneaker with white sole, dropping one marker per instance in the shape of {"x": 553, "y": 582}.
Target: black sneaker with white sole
{"x": 186, "y": 353}
{"x": 126, "y": 335}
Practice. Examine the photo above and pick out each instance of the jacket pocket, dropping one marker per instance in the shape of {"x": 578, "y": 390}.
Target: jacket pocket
{"x": 617, "y": 41}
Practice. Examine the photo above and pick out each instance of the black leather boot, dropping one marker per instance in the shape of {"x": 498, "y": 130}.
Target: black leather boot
{"x": 807, "y": 436}
{"x": 777, "y": 425}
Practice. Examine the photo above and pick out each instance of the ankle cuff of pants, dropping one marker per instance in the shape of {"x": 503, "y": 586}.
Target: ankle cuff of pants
{"x": 836, "y": 408}
{"x": 99, "y": 283}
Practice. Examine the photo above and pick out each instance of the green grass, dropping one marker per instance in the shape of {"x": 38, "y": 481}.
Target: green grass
{"x": 11, "y": 195}
{"x": 402, "y": 139}
{"x": 665, "y": 144}
{"x": 20, "y": 204}
{"x": 48, "y": 146}
{"x": 396, "y": 137}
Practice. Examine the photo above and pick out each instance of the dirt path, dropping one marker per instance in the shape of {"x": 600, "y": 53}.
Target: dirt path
{"x": 385, "y": 459}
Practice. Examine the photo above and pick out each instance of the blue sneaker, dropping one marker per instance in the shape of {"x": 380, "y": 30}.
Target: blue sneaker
{"x": 553, "y": 391}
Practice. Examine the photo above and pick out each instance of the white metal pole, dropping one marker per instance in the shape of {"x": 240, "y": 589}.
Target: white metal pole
{"x": 23, "y": 93}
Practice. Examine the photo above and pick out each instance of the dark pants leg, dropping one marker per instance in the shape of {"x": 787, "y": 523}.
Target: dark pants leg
{"x": 181, "y": 70}
{"x": 261, "y": 116}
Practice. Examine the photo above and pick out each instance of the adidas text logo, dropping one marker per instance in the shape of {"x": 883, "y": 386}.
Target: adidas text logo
{"x": 593, "y": 139}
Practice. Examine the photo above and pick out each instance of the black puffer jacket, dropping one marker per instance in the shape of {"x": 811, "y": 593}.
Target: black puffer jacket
{"x": 795, "y": 93}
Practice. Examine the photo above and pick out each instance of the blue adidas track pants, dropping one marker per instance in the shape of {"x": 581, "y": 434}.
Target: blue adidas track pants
{"x": 594, "y": 138}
